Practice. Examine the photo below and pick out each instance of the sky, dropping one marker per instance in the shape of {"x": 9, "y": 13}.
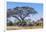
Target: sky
{"x": 37, "y": 6}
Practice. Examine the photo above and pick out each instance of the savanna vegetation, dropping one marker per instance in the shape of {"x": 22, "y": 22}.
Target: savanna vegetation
{"x": 20, "y": 13}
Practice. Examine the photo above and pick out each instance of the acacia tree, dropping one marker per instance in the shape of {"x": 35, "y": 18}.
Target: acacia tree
{"x": 21, "y": 12}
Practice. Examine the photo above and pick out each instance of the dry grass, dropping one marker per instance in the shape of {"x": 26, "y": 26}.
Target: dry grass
{"x": 25, "y": 27}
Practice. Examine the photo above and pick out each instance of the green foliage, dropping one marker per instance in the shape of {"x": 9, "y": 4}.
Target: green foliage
{"x": 39, "y": 24}
{"x": 10, "y": 23}
{"x": 21, "y": 23}
{"x": 24, "y": 23}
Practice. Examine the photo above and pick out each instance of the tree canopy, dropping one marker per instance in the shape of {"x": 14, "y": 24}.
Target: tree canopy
{"x": 21, "y": 12}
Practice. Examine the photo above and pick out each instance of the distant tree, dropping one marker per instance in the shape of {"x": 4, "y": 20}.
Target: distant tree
{"x": 9, "y": 13}
{"x": 39, "y": 22}
{"x": 41, "y": 19}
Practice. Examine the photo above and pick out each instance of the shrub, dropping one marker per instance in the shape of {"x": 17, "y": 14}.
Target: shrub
{"x": 21, "y": 23}
{"x": 10, "y": 23}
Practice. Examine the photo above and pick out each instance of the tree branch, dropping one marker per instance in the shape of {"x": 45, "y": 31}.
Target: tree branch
{"x": 17, "y": 18}
{"x": 26, "y": 15}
